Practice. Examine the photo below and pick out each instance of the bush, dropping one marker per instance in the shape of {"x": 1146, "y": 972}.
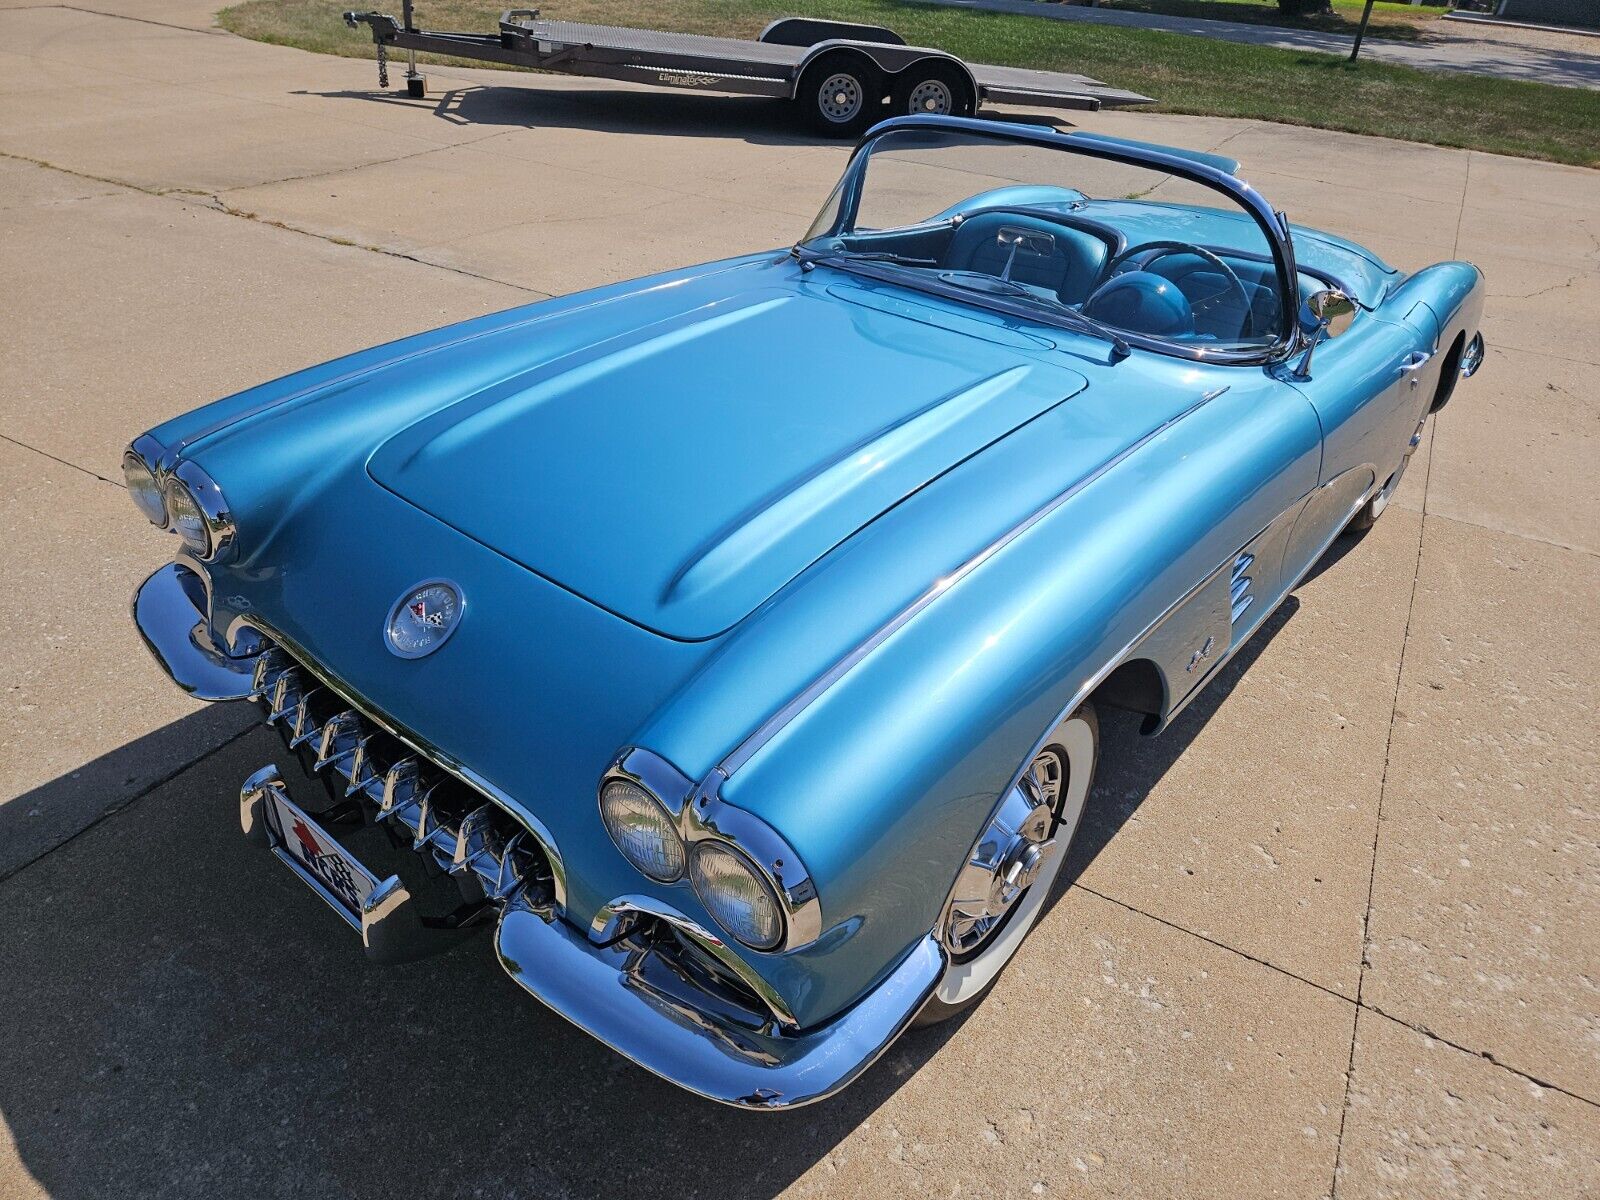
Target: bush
{"x": 1303, "y": 8}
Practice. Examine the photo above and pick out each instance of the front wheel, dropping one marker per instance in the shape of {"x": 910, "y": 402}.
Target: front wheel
{"x": 1012, "y": 871}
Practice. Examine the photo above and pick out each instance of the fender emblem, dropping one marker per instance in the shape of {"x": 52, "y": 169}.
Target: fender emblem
{"x": 1201, "y": 654}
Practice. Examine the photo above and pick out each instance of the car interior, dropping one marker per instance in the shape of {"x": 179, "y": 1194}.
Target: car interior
{"x": 1108, "y": 265}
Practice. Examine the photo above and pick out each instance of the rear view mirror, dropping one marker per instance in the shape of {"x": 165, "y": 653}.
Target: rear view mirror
{"x": 1326, "y": 314}
{"x": 1331, "y": 311}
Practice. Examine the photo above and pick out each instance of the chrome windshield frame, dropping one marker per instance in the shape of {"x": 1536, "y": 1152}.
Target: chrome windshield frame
{"x": 1271, "y": 223}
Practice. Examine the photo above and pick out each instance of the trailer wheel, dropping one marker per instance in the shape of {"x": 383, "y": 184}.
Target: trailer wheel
{"x": 931, "y": 88}
{"x": 842, "y": 95}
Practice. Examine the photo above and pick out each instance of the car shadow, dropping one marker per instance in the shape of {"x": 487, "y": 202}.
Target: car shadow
{"x": 32, "y": 823}
{"x": 184, "y": 1017}
{"x": 1132, "y": 764}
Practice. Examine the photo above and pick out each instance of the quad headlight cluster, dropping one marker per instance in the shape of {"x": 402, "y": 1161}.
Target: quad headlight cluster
{"x": 184, "y": 499}
{"x": 749, "y": 880}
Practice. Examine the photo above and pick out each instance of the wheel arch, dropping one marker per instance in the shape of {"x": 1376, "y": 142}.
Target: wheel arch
{"x": 1138, "y": 685}
{"x": 1449, "y": 373}
{"x": 888, "y": 61}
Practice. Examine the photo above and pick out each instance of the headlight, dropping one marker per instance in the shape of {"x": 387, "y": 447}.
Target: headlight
{"x": 143, "y": 489}
{"x": 188, "y": 522}
{"x": 642, "y": 829}
{"x": 736, "y": 894}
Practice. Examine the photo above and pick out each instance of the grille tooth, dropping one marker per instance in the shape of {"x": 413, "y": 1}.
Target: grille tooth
{"x": 355, "y": 769}
{"x": 473, "y": 839}
{"x": 340, "y": 737}
{"x": 303, "y": 726}
{"x": 429, "y": 830}
{"x": 272, "y": 664}
{"x": 402, "y": 784}
{"x": 285, "y": 694}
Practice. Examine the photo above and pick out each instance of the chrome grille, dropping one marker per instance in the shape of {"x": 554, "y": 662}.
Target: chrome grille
{"x": 463, "y": 830}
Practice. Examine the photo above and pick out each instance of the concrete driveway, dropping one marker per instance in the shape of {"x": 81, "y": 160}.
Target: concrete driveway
{"x": 1336, "y": 932}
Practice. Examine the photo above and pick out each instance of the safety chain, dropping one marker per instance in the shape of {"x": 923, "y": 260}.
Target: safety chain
{"x": 383, "y": 65}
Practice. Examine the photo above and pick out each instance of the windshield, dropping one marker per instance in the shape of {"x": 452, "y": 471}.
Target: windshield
{"x": 1087, "y": 242}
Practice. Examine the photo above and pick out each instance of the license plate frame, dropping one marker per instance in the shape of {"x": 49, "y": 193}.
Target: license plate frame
{"x": 338, "y": 876}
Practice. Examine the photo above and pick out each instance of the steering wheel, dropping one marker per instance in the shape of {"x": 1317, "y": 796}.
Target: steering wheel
{"x": 1167, "y": 248}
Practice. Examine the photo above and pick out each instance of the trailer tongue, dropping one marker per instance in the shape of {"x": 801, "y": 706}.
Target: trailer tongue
{"x": 840, "y": 73}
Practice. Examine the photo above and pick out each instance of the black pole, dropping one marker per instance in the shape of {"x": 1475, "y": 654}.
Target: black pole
{"x": 1366, "y": 15}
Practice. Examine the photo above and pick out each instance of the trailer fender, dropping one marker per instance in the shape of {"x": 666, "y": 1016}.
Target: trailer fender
{"x": 890, "y": 61}
{"x": 807, "y": 31}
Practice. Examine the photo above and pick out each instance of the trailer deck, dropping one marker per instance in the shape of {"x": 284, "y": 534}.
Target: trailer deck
{"x": 794, "y": 58}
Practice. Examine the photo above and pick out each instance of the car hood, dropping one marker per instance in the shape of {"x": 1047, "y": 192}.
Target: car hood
{"x": 696, "y": 451}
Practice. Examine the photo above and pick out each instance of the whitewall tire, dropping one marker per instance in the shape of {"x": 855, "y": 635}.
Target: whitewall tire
{"x": 985, "y": 924}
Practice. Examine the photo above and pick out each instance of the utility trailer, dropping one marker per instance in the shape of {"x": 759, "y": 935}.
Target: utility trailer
{"x": 840, "y": 74}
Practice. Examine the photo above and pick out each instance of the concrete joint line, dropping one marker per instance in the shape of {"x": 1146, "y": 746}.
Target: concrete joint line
{"x": 217, "y": 204}
{"x": 95, "y": 12}
{"x": 1383, "y": 788}
{"x": 162, "y": 781}
{"x": 1357, "y": 1005}
{"x": 116, "y": 483}
{"x": 1486, "y": 1055}
{"x": 220, "y": 205}
{"x": 1244, "y": 954}
{"x": 1513, "y": 533}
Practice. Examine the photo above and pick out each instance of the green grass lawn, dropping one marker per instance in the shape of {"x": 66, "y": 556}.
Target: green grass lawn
{"x": 1186, "y": 74}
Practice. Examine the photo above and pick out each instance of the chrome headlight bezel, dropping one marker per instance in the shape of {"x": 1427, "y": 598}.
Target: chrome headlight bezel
{"x": 701, "y": 815}
{"x": 213, "y": 505}
{"x": 191, "y": 483}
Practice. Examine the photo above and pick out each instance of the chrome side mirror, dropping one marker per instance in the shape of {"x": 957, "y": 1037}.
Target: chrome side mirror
{"x": 1330, "y": 312}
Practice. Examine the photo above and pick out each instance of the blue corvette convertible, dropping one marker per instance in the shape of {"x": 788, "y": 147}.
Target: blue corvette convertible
{"x": 729, "y": 642}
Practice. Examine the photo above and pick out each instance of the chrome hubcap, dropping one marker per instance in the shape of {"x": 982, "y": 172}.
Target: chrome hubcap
{"x": 841, "y": 97}
{"x": 1009, "y": 855}
{"x": 930, "y": 96}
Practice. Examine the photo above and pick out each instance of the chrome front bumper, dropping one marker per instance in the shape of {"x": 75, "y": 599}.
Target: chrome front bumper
{"x": 643, "y": 980}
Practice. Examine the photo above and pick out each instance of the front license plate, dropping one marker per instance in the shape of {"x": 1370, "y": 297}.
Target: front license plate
{"x": 328, "y": 867}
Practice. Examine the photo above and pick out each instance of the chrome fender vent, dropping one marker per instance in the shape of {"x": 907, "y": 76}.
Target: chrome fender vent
{"x": 1239, "y": 593}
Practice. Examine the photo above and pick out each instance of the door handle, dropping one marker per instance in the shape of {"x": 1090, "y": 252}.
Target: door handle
{"x": 1414, "y": 360}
